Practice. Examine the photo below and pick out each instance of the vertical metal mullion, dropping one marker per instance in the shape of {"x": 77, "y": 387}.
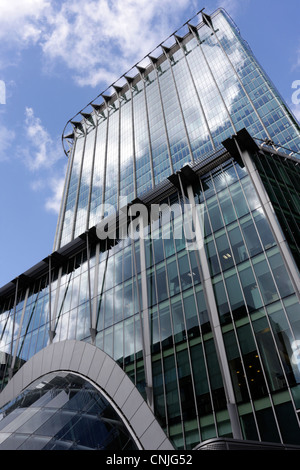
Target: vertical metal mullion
{"x": 180, "y": 106}
{"x": 19, "y": 332}
{"x": 92, "y": 174}
{"x": 54, "y": 310}
{"x": 94, "y": 300}
{"x": 133, "y": 144}
{"x": 198, "y": 97}
{"x": 198, "y": 259}
{"x": 60, "y": 222}
{"x": 173, "y": 340}
{"x": 119, "y": 156}
{"x": 144, "y": 318}
{"x": 149, "y": 133}
{"x": 78, "y": 186}
{"x": 164, "y": 120}
{"x": 50, "y": 300}
{"x": 92, "y": 330}
{"x": 10, "y": 370}
{"x": 186, "y": 330}
{"x": 105, "y": 165}
{"x": 129, "y": 82}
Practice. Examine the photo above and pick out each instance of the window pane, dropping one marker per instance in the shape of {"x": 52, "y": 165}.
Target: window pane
{"x": 250, "y": 288}
{"x": 251, "y": 236}
{"x": 239, "y": 200}
{"x": 237, "y": 244}
{"x": 264, "y": 230}
{"x": 235, "y": 295}
{"x": 280, "y": 274}
{"x": 265, "y": 280}
{"x": 224, "y": 251}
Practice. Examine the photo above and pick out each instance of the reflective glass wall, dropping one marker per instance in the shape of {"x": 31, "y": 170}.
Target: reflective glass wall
{"x": 203, "y": 89}
{"x": 152, "y": 288}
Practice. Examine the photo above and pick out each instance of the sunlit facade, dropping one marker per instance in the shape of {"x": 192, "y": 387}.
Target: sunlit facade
{"x": 185, "y": 330}
{"x": 190, "y": 97}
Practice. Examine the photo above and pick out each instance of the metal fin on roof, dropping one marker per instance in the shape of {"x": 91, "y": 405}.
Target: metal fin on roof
{"x": 69, "y": 136}
{"x": 140, "y": 69}
{"x": 165, "y": 49}
{"x": 193, "y": 28}
{"x": 128, "y": 79}
{"x": 179, "y": 39}
{"x": 153, "y": 59}
{"x": 117, "y": 89}
{"x": 207, "y": 20}
{"x": 88, "y": 117}
{"x": 96, "y": 107}
{"x": 77, "y": 125}
{"x": 106, "y": 98}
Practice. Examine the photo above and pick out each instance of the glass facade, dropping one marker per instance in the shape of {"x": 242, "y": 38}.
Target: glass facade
{"x": 256, "y": 302}
{"x": 282, "y": 184}
{"x": 62, "y": 412}
{"x": 202, "y": 325}
{"x": 203, "y": 89}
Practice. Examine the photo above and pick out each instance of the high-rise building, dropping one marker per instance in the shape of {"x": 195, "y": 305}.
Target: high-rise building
{"x": 167, "y": 315}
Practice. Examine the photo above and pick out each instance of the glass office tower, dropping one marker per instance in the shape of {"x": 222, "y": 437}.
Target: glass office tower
{"x": 167, "y": 315}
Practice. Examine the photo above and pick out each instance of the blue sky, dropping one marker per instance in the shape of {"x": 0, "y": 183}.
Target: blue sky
{"x": 57, "y": 56}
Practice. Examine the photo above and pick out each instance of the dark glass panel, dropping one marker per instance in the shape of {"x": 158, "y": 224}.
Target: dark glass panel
{"x": 200, "y": 379}
{"x": 214, "y": 214}
{"x": 185, "y": 385}
{"x": 222, "y": 303}
{"x": 178, "y": 319}
{"x": 161, "y": 281}
{"x": 288, "y": 423}
{"x": 171, "y": 386}
{"x": 165, "y": 325}
{"x": 159, "y": 396}
{"x": 269, "y": 355}
{"x": 267, "y": 425}
{"x": 215, "y": 376}
{"x": 225, "y": 254}
{"x": 249, "y": 427}
{"x": 253, "y": 368}
{"x": 235, "y": 295}
{"x": 184, "y": 270}
{"x": 236, "y": 368}
{"x": 191, "y": 316}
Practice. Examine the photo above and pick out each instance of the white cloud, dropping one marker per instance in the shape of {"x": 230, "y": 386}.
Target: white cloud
{"x": 86, "y": 36}
{"x": 97, "y": 39}
{"x": 42, "y": 151}
{"x": 7, "y": 137}
{"x": 53, "y": 202}
{"x": 21, "y": 21}
{"x": 43, "y": 155}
